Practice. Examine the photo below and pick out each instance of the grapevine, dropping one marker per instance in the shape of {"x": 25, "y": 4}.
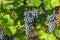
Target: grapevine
{"x": 17, "y": 19}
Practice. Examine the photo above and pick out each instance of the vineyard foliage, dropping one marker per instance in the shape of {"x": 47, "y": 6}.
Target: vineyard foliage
{"x": 11, "y": 15}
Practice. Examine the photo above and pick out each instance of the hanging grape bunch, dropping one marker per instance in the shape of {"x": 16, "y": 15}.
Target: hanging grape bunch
{"x": 30, "y": 17}
{"x": 52, "y": 21}
{"x": 1, "y": 34}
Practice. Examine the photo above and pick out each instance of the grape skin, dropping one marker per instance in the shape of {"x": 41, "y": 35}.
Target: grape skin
{"x": 30, "y": 17}
{"x": 52, "y": 21}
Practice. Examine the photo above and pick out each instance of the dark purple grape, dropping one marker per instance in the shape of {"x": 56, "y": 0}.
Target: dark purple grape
{"x": 52, "y": 21}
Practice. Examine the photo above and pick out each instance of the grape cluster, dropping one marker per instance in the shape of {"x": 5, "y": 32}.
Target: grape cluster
{"x": 7, "y": 37}
{"x": 1, "y": 34}
{"x": 52, "y": 21}
{"x": 30, "y": 17}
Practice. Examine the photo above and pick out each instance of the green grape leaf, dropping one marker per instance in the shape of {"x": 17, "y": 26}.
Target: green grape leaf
{"x": 38, "y": 26}
{"x": 57, "y": 33}
{"x": 54, "y": 3}
{"x": 46, "y": 36}
{"x": 33, "y": 3}
{"x": 47, "y": 4}
{"x": 8, "y": 20}
{"x": 7, "y": 31}
{"x": 13, "y": 29}
{"x": 50, "y": 4}
{"x": 20, "y": 36}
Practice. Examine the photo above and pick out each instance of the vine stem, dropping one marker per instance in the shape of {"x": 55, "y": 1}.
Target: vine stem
{"x": 58, "y": 15}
